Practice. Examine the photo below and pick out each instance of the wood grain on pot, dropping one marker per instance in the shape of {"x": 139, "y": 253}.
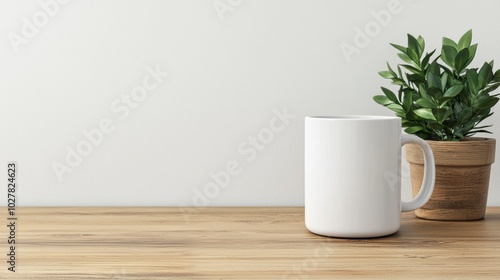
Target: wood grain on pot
{"x": 462, "y": 178}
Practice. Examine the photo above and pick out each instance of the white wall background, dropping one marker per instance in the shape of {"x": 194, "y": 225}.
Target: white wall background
{"x": 226, "y": 78}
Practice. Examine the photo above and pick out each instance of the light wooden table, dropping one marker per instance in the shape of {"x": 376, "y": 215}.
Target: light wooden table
{"x": 239, "y": 243}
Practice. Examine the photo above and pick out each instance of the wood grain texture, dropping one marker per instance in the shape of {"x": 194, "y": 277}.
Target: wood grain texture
{"x": 240, "y": 243}
{"x": 472, "y": 151}
{"x": 462, "y": 178}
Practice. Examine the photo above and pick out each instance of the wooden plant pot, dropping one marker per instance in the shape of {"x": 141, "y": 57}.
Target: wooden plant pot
{"x": 462, "y": 178}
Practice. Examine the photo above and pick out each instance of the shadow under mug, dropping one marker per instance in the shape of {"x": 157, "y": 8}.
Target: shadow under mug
{"x": 353, "y": 175}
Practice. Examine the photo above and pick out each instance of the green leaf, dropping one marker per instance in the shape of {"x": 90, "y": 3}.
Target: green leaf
{"x": 490, "y": 88}
{"x": 478, "y": 131}
{"x": 434, "y": 93}
{"x": 424, "y": 135}
{"x": 435, "y": 126}
{"x": 408, "y": 101}
{"x": 413, "y": 55}
{"x": 444, "y": 80}
{"x": 416, "y": 78}
{"x": 382, "y": 100}
{"x": 397, "y": 81}
{"x": 423, "y": 92}
{"x": 421, "y": 43}
{"x": 458, "y": 135}
{"x": 386, "y": 74}
{"x": 425, "y": 103}
{"x": 400, "y": 48}
{"x": 433, "y": 80}
{"x": 413, "y": 46}
{"x": 405, "y": 57}
{"x": 472, "y": 53}
{"x": 484, "y": 126}
{"x": 434, "y": 68}
{"x": 407, "y": 123}
{"x": 461, "y": 60}
{"x": 465, "y": 41}
{"x": 400, "y": 93}
{"x": 449, "y": 42}
{"x": 425, "y": 113}
{"x": 485, "y": 103}
{"x": 448, "y": 55}
{"x": 447, "y": 70}
{"x": 466, "y": 127}
{"x": 442, "y": 114}
{"x": 390, "y": 70}
{"x": 465, "y": 115}
{"x": 412, "y": 69}
{"x": 410, "y": 118}
{"x": 390, "y": 95}
{"x": 457, "y": 108}
{"x": 472, "y": 81}
{"x": 453, "y": 91}
{"x": 397, "y": 109}
{"x": 496, "y": 77}
{"x": 413, "y": 129}
{"x": 485, "y": 75}
{"x": 426, "y": 58}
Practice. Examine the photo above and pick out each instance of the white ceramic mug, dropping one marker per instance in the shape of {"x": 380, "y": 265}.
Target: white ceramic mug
{"x": 353, "y": 175}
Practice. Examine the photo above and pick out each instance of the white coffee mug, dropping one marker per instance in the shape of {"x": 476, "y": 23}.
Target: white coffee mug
{"x": 353, "y": 175}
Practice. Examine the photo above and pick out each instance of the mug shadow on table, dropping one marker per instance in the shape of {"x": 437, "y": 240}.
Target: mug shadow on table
{"x": 416, "y": 228}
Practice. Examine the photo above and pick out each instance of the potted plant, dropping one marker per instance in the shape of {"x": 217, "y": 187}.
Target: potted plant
{"x": 442, "y": 101}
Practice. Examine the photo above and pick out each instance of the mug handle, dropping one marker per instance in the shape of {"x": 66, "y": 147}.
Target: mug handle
{"x": 429, "y": 174}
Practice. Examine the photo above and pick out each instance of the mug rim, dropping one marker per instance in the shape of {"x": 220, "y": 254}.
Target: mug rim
{"x": 353, "y": 118}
